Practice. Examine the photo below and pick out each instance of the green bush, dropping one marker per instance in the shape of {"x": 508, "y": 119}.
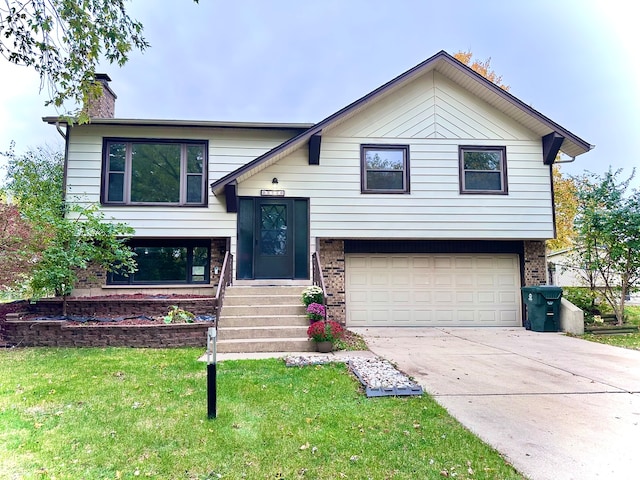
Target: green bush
{"x": 586, "y": 299}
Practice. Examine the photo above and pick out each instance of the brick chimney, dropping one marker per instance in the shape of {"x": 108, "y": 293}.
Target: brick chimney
{"x": 103, "y": 106}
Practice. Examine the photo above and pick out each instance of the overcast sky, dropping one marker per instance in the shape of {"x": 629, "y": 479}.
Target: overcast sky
{"x": 575, "y": 61}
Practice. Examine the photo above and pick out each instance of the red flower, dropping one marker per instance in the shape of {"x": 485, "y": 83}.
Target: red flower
{"x": 325, "y": 331}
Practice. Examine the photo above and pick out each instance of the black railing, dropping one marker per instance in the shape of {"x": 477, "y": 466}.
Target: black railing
{"x": 318, "y": 279}
{"x": 226, "y": 279}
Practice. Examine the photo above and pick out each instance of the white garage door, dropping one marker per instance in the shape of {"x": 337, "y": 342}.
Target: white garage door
{"x": 432, "y": 290}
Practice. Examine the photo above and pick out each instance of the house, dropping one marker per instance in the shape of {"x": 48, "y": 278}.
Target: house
{"x": 427, "y": 200}
{"x": 565, "y": 271}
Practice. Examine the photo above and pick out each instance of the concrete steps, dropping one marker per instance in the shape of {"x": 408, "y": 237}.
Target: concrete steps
{"x": 263, "y": 318}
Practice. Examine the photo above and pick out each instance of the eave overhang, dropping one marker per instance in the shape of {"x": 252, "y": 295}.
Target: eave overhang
{"x": 445, "y": 64}
{"x": 182, "y": 123}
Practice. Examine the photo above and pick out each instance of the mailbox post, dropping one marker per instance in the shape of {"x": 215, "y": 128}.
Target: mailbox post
{"x": 211, "y": 372}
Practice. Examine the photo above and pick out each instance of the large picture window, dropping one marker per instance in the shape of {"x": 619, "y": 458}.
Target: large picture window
{"x": 154, "y": 172}
{"x": 167, "y": 262}
{"x": 483, "y": 170}
{"x": 385, "y": 168}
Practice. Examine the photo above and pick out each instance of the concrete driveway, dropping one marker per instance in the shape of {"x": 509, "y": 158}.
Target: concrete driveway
{"x": 556, "y": 407}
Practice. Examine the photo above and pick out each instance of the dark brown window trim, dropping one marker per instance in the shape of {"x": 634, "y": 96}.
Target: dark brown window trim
{"x": 187, "y": 243}
{"x": 503, "y": 171}
{"x": 406, "y": 171}
{"x": 105, "y": 165}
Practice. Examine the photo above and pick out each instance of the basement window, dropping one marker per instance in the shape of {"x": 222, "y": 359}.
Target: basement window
{"x": 167, "y": 262}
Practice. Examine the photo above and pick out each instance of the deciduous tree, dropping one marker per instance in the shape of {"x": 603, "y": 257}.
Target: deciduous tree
{"x": 566, "y": 205}
{"x": 16, "y": 246}
{"x": 70, "y": 237}
{"x": 65, "y": 40}
{"x": 608, "y": 227}
{"x": 483, "y": 67}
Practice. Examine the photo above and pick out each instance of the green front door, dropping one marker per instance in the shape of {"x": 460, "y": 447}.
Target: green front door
{"x": 273, "y": 238}
{"x": 273, "y": 243}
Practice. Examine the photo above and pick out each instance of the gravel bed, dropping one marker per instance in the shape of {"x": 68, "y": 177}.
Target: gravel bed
{"x": 378, "y": 376}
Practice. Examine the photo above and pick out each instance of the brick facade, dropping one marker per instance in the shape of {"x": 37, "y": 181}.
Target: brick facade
{"x": 535, "y": 263}
{"x": 332, "y": 261}
{"x": 60, "y": 334}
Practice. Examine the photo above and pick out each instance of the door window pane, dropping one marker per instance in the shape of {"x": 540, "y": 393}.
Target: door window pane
{"x": 273, "y": 229}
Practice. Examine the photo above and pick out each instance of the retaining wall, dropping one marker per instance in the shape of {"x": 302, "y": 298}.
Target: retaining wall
{"x": 58, "y": 333}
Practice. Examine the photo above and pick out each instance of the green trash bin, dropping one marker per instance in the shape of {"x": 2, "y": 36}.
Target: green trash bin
{"x": 543, "y": 307}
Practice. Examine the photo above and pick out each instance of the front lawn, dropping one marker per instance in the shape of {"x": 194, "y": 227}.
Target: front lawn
{"x": 627, "y": 340}
{"x": 141, "y": 413}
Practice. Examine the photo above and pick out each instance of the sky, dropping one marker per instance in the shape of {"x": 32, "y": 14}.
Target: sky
{"x": 300, "y": 61}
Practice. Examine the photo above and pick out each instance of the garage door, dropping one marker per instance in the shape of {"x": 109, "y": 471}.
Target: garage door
{"x": 432, "y": 290}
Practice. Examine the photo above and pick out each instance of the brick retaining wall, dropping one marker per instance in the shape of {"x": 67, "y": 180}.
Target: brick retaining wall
{"x": 60, "y": 334}
{"x": 125, "y": 307}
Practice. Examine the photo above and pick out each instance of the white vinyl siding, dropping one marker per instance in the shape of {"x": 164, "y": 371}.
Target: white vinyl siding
{"x": 432, "y": 290}
{"x": 229, "y": 149}
{"x": 434, "y": 117}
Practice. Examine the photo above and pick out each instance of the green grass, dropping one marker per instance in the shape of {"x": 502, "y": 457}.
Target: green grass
{"x": 627, "y": 340}
{"x": 128, "y": 413}
{"x": 632, "y": 314}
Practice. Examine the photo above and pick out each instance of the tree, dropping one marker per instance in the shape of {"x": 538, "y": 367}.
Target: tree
{"x": 65, "y": 40}
{"x": 483, "y": 67}
{"x": 564, "y": 188}
{"x": 608, "y": 228}
{"x": 566, "y": 206}
{"x": 70, "y": 237}
{"x": 16, "y": 245}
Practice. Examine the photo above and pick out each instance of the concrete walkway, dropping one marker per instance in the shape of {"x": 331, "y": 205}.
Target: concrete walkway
{"x": 556, "y": 407}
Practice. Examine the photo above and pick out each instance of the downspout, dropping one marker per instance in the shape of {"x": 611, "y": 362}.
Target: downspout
{"x": 64, "y": 135}
{"x": 573, "y": 159}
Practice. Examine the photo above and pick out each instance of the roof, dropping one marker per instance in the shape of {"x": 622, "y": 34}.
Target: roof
{"x": 447, "y": 65}
{"x": 186, "y": 123}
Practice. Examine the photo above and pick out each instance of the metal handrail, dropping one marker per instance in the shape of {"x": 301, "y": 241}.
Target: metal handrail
{"x": 226, "y": 279}
{"x": 318, "y": 279}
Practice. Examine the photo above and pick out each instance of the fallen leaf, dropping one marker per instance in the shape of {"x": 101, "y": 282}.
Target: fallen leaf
{"x": 305, "y": 446}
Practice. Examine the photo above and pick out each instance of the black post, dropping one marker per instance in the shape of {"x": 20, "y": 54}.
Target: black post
{"x": 211, "y": 390}
{"x": 212, "y": 351}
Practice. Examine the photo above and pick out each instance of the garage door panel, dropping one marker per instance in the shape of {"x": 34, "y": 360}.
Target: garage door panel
{"x": 431, "y": 290}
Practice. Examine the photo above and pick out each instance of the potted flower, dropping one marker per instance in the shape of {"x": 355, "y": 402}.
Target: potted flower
{"x": 325, "y": 332}
{"x": 315, "y": 312}
{"x": 311, "y": 295}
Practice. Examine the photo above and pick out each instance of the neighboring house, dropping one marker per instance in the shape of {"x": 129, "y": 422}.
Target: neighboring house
{"x": 565, "y": 271}
{"x": 428, "y": 200}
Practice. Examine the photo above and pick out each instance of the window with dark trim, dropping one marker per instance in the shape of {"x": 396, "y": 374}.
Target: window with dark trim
{"x": 167, "y": 262}
{"x": 483, "y": 170}
{"x": 384, "y": 168}
{"x": 149, "y": 172}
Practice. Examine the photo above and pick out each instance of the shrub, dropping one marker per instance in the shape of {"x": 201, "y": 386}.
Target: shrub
{"x": 584, "y": 298}
{"x": 178, "y": 315}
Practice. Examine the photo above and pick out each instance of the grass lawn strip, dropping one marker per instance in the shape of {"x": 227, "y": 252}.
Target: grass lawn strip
{"x": 141, "y": 413}
{"x": 628, "y": 340}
